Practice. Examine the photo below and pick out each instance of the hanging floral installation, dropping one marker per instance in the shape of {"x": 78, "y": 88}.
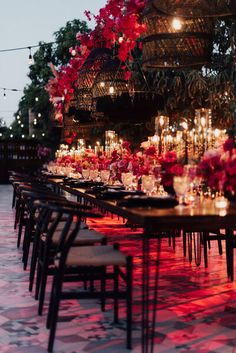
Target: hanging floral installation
{"x": 118, "y": 27}
{"x": 61, "y": 86}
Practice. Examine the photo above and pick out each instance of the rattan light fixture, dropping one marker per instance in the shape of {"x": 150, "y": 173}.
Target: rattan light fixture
{"x": 110, "y": 80}
{"x": 176, "y": 42}
{"x": 87, "y": 75}
{"x": 92, "y": 66}
{"x": 196, "y": 8}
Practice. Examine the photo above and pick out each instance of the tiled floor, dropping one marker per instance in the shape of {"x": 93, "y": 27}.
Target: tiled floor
{"x": 197, "y": 306}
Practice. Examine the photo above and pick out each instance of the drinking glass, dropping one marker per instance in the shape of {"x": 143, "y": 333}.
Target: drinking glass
{"x": 148, "y": 184}
{"x": 181, "y": 185}
{"x": 105, "y": 175}
{"x": 94, "y": 174}
{"x": 127, "y": 179}
{"x": 85, "y": 173}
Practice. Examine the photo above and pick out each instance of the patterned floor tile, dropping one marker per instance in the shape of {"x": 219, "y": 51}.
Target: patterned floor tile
{"x": 196, "y": 306}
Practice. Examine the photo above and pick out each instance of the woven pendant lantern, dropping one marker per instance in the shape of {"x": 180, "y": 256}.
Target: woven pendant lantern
{"x": 84, "y": 99}
{"x": 176, "y": 42}
{"x": 91, "y": 67}
{"x": 196, "y": 8}
{"x": 87, "y": 75}
{"x": 110, "y": 81}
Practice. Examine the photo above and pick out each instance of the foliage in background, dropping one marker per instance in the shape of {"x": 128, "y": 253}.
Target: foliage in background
{"x": 35, "y": 96}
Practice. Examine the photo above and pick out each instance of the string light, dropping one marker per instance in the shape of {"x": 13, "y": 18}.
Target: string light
{"x": 4, "y": 93}
{"x": 4, "y": 89}
{"x": 30, "y": 61}
{"x": 24, "y": 48}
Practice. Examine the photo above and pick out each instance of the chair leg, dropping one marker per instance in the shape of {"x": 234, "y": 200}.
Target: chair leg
{"x": 27, "y": 240}
{"x": 34, "y": 260}
{"x": 54, "y": 308}
{"x": 49, "y": 314}
{"x": 184, "y": 243}
{"x": 42, "y": 288}
{"x": 190, "y": 246}
{"x": 21, "y": 221}
{"x": 39, "y": 273}
{"x": 220, "y": 245}
{"x": 13, "y": 198}
{"x": 129, "y": 304}
{"x": 17, "y": 213}
{"x": 103, "y": 289}
{"x": 116, "y": 290}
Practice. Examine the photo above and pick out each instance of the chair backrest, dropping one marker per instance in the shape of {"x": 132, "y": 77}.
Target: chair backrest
{"x": 67, "y": 217}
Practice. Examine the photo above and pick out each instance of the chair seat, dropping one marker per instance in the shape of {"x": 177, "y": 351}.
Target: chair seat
{"x": 104, "y": 255}
{"x": 85, "y": 236}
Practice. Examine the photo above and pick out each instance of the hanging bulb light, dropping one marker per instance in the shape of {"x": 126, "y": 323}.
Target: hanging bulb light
{"x": 177, "y": 24}
{"x": 30, "y": 60}
{"x": 111, "y": 90}
{"x": 4, "y": 93}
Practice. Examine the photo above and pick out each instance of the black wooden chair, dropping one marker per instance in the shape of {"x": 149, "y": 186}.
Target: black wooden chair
{"x": 47, "y": 240}
{"x": 99, "y": 263}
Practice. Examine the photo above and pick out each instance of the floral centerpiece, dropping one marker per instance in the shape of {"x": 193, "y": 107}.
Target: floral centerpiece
{"x": 218, "y": 168}
{"x": 170, "y": 168}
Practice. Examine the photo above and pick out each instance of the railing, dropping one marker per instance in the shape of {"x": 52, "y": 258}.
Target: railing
{"x": 18, "y": 156}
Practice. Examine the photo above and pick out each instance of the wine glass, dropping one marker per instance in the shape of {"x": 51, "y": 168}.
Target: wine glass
{"x": 148, "y": 184}
{"x": 181, "y": 185}
{"x": 94, "y": 174}
{"x": 127, "y": 179}
{"x": 85, "y": 173}
{"x": 105, "y": 175}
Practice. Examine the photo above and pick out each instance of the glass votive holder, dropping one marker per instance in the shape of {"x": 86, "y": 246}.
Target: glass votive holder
{"x": 221, "y": 202}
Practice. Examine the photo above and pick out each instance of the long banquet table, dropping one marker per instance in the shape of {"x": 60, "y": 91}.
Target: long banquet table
{"x": 202, "y": 217}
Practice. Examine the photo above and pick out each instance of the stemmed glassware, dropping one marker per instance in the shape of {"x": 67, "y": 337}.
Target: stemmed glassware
{"x": 127, "y": 179}
{"x": 181, "y": 186}
{"x": 148, "y": 184}
{"x": 105, "y": 176}
{"x": 94, "y": 173}
{"x": 85, "y": 173}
